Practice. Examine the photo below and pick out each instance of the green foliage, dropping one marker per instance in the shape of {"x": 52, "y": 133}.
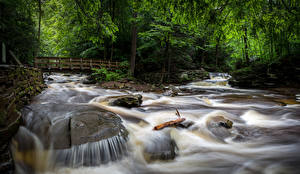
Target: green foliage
{"x": 172, "y": 35}
{"x": 103, "y": 74}
{"x": 17, "y": 28}
{"x": 124, "y": 67}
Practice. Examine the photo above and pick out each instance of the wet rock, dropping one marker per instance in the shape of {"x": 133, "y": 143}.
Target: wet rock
{"x": 127, "y": 101}
{"x": 94, "y": 127}
{"x": 72, "y": 124}
{"x": 220, "y": 121}
{"x": 238, "y": 138}
{"x": 171, "y": 91}
{"x": 184, "y": 77}
{"x": 67, "y": 75}
{"x": 160, "y": 147}
{"x": 193, "y": 75}
{"x": 219, "y": 126}
{"x": 88, "y": 81}
{"x": 227, "y": 124}
{"x": 6, "y": 161}
{"x": 185, "y": 124}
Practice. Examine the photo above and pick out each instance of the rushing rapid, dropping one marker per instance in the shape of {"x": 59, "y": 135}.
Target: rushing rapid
{"x": 262, "y": 135}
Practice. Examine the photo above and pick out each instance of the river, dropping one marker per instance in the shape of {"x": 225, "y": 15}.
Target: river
{"x": 264, "y": 138}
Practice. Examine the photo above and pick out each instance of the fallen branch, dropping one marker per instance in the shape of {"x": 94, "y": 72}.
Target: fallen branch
{"x": 172, "y": 123}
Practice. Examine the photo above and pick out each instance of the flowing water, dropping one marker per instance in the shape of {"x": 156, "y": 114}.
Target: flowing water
{"x": 265, "y": 137}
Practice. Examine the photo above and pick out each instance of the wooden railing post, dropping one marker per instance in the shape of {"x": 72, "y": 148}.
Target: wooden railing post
{"x": 35, "y": 63}
{"x": 59, "y": 63}
{"x": 70, "y": 63}
{"x": 49, "y": 66}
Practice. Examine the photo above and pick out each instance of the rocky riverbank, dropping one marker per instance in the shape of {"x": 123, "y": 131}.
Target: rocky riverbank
{"x": 152, "y": 82}
{"x": 284, "y": 73}
{"x": 17, "y": 86}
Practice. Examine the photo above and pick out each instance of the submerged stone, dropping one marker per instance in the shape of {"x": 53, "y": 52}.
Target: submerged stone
{"x": 159, "y": 147}
{"x": 219, "y": 126}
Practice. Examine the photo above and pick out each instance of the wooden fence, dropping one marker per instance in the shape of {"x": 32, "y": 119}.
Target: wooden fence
{"x": 67, "y": 63}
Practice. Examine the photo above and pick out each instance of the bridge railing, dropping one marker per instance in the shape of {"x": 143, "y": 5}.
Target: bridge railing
{"x": 68, "y": 63}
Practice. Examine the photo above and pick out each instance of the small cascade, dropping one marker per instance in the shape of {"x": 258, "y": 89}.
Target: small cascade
{"x": 31, "y": 156}
{"x": 92, "y": 153}
{"x": 219, "y": 76}
{"x": 216, "y": 79}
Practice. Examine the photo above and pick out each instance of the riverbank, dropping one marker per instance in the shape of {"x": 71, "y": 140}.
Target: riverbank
{"x": 281, "y": 74}
{"x": 18, "y": 85}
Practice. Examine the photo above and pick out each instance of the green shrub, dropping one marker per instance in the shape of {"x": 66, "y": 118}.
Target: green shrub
{"x": 124, "y": 66}
{"x": 103, "y": 74}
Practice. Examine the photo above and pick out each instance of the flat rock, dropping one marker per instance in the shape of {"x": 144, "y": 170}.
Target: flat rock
{"x": 91, "y": 127}
{"x": 65, "y": 125}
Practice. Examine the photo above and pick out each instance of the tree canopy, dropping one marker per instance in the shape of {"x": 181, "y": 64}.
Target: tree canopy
{"x": 169, "y": 35}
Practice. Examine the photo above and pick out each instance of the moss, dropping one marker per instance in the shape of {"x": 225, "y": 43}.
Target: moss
{"x": 3, "y": 116}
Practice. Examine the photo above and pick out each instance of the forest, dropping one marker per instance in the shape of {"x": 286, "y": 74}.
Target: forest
{"x": 237, "y": 36}
{"x": 149, "y": 86}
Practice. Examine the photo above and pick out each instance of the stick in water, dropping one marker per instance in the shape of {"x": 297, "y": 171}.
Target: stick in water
{"x": 173, "y": 123}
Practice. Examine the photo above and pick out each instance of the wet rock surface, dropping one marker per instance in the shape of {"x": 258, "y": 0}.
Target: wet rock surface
{"x": 17, "y": 86}
{"x": 219, "y": 126}
{"x": 92, "y": 127}
{"x": 160, "y": 147}
{"x": 133, "y": 85}
{"x": 175, "y": 78}
{"x": 171, "y": 91}
{"x": 72, "y": 124}
{"x": 127, "y": 101}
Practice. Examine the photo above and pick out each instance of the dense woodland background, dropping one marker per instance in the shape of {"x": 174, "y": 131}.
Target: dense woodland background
{"x": 157, "y": 36}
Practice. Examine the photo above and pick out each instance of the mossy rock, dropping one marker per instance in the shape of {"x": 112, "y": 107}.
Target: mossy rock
{"x": 127, "y": 101}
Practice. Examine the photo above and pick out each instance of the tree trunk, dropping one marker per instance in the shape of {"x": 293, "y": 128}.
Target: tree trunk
{"x": 133, "y": 45}
{"x": 246, "y": 45}
{"x": 39, "y": 29}
{"x": 217, "y": 50}
{"x": 168, "y": 57}
{"x": 112, "y": 18}
{"x": 3, "y": 53}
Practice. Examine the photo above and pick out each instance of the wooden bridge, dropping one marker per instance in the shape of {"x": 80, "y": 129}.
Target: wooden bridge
{"x": 67, "y": 63}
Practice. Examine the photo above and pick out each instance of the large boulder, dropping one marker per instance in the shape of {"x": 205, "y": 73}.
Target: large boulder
{"x": 77, "y": 133}
{"x": 94, "y": 127}
{"x": 65, "y": 125}
{"x": 159, "y": 146}
{"x": 127, "y": 101}
{"x": 193, "y": 75}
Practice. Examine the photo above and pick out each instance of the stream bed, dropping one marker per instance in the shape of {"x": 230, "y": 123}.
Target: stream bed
{"x": 264, "y": 136}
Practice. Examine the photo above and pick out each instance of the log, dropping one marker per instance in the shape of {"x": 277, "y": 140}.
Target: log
{"x": 172, "y": 123}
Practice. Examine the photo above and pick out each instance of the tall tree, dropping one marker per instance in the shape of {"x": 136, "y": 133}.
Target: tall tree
{"x": 39, "y": 27}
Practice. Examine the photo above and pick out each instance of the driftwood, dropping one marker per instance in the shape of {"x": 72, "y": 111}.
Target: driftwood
{"x": 172, "y": 123}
